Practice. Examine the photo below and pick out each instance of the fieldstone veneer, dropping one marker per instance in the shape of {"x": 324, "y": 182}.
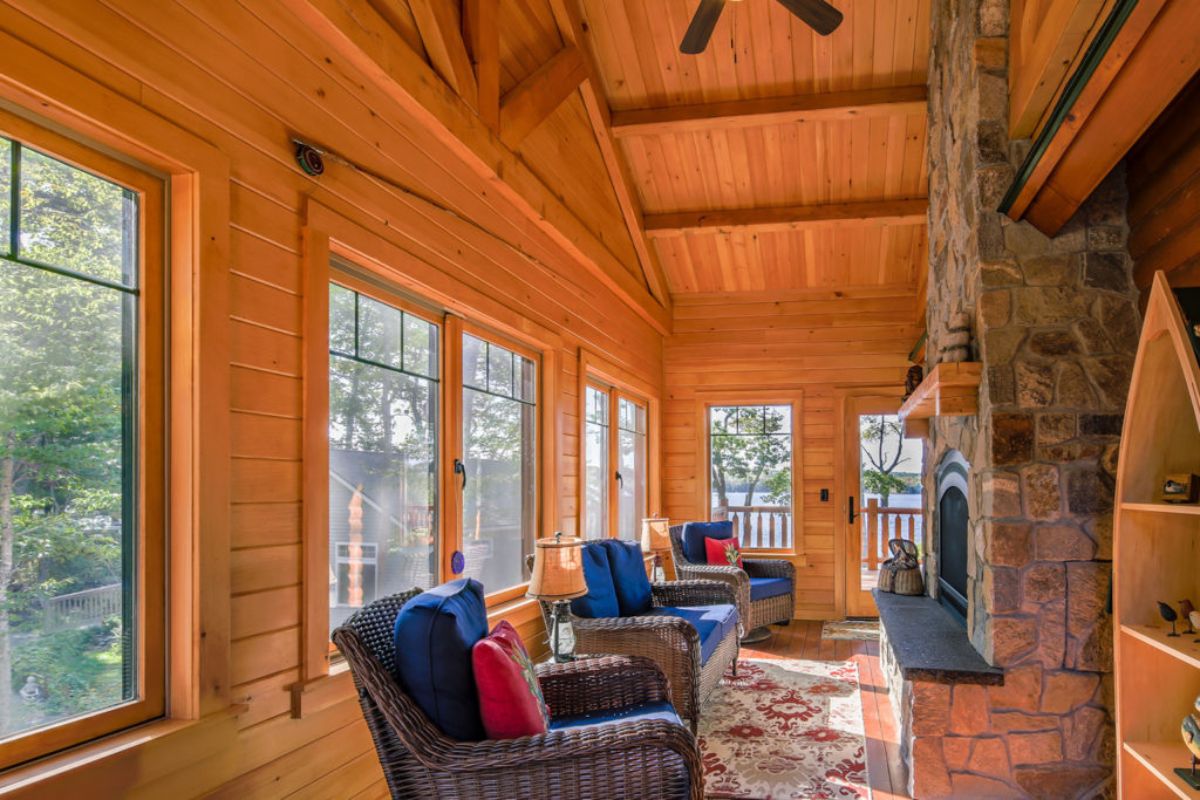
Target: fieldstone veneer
{"x": 1056, "y": 327}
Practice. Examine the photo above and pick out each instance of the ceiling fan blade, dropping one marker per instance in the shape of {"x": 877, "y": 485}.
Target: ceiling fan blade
{"x": 701, "y": 27}
{"x": 817, "y": 14}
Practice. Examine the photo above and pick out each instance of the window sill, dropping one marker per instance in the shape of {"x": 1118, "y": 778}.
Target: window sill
{"x": 318, "y": 694}
{"x": 120, "y": 758}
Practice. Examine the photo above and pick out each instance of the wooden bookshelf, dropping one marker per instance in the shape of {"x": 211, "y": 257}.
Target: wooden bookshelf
{"x": 1156, "y": 556}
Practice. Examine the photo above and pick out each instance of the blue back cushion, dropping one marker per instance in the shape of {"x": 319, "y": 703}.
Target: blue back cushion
{"x": 629, "y": 577}
{"x": 601, "y": 599}
{"x": 433, "y": 636}
{"x": 694, "y": 534}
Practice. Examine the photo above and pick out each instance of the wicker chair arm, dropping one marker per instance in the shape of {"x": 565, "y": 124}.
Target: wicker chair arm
{"x": 769, "y": 568}
{"x": 597, "y": 684}
{"x": 607, "y": 635}
{"x": 695, "y": 593}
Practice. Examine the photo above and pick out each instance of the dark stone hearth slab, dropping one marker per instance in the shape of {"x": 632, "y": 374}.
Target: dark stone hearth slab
{"x": 928, "y": 644}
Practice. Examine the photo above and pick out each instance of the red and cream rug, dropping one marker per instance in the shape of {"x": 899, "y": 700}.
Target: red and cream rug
{"x": 785, "y": 729}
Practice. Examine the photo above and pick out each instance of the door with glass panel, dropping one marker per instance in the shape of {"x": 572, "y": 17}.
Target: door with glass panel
{"x": 883, "y": 494}
{"x": 630, "y": 475}
{"x": 384, "y": 419}
{"x": 498, "y": 468}
{"x": 614, "y": 463}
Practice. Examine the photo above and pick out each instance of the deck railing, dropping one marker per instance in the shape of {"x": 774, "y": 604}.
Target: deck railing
{"x": 881, "y": 523}
{"x": 759, "y": 527}
{"x": 81, "y": 609}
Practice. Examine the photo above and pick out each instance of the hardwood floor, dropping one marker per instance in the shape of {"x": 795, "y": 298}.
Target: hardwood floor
{"x": 802, "y": 639}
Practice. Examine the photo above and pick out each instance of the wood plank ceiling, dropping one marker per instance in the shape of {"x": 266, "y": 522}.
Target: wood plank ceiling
{"x": 773, "y": 160}
{"x": 777, "y": 160}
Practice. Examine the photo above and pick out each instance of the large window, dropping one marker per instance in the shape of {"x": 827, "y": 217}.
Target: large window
{"x": 81, "y": 522}
{"x": 615, "y": 483}
{"x": 751, "y": 472}
{"x": 498, "y": 467}
{"x": 383, "y": 450}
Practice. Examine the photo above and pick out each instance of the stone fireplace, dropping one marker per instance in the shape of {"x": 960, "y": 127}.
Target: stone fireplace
{"x": 1025, "y": 711}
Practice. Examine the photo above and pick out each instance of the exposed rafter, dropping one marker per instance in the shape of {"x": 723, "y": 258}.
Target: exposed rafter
{"x": 570, "y": 24}
{"x": 482, "y": 34}
{"x": 782, "y": 218}
{"x": 536, "y": 97}
{"x": 857, "y": 104}
{"x": 441, "y": 32}
{"x": 358, "y": 34}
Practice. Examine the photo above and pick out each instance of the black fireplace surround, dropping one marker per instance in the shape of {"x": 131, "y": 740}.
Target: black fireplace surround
{"x": 952, "y": 541}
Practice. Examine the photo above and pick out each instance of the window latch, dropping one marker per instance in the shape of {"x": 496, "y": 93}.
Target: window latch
{"x": 620, "y": 480}
{"x": 461, "y": 469}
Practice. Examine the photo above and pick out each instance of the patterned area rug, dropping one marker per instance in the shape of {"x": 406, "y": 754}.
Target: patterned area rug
{"x": 859, "y": 630}
{"x": 785, "y": 729}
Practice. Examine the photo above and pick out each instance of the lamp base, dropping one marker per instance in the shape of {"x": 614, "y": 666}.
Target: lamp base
{"x": 757, "y": 635}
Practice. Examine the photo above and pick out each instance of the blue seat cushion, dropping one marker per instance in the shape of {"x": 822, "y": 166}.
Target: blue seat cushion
{"x": 645, "y": 711}
{"x": 694, "y": 534}
{"x": 713, "y": 623}
{"x": 601, "y": 598}
{"x": 762, "y": 588}
{"x": 629, "y": 577}
{"x": 433, "y": 636}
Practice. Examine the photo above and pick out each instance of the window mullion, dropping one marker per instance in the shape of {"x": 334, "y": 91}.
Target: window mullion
{"x": 14, "y": 204}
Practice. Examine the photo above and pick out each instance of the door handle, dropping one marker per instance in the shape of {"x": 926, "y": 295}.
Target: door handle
{"x": 461, "y": 469}
{"x": 850, "y": 507}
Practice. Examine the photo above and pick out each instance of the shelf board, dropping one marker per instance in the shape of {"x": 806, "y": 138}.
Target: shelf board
{"x": 950, "y": 390}
{"x": 1161, "y": 758}
{"x": 1182, "y": 647}
{"x": 1163, "y": 508}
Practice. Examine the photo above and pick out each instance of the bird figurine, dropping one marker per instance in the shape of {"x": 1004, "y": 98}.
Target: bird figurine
{"x": 1194, "y": 618}
{"x": 1168, "y": 614}
{"x": 1185, "y": 613}
{"x": 1190, "y": 729}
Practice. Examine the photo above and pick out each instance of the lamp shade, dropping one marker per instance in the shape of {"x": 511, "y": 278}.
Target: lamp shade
{"x": 656, "y": 534}
{"x": 557, "y": 569}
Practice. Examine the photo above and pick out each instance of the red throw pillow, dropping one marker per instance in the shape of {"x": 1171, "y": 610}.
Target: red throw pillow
{"x": 510, "y": 698}
{"x": 726, "y": 552}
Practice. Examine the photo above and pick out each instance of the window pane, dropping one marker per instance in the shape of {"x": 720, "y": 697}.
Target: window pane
{"x": 67, "y": 475}
{"x": 382, "y": 480}
{"x": 631, "y": 439}
{"x": 500, "y": 371}
{"x": 379, "y": 328}
{"x": 596, "y": 467}
{"x": 500, "y": 498}
{"x": 75, "y": 220}
{"x": 5, "y": 193}
{"x": 750, "y": 466}
{"x": 474, "y": 366}
{"x": 420, "y": 346}
{"x": 341, "y": 319}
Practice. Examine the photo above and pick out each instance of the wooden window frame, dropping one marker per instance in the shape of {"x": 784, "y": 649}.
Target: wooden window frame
{"x": 377, "y": 257}
{"x": 186, "y": 233}
{"x": 619, "y": 383}
{"x": 793, "y": 398}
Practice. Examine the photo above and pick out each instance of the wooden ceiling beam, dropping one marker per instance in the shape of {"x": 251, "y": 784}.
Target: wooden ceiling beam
{"x": 536, "y": 97}
{"x": 482, "y": 33}
{"x": 441, "y": 32}
{"x": 357, "y": 33}
{"x": 570, "y": 25}
{"x": 857, "y": 104}
{"x": 784, "y": 218}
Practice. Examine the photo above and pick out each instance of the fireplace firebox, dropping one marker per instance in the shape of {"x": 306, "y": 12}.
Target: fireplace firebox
{"x": 953, "y": 517}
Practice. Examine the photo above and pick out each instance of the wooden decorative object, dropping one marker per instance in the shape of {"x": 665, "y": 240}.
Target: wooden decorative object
{"x": 1156, "y": 556}
{"x": 949, "y": 390}
{"x": 1180, "y": 487}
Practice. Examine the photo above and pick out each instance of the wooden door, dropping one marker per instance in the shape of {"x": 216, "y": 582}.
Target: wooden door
{"x": 881, "y": 497}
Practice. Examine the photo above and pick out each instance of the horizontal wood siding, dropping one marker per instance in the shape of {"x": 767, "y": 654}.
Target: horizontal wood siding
{"x": 817, "y": 342}
{"x": 247, "y": 77}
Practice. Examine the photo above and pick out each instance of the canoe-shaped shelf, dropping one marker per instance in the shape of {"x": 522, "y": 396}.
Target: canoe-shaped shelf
{"x": 951, "y": 390}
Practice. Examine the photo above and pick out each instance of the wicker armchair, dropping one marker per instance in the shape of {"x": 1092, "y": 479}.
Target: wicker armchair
{"x": 644, "y": 758}
{"x": 670, "y": 642}
{"x": 756, "y": 614}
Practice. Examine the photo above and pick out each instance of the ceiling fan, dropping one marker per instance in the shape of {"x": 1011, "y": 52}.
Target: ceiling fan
{"x": 817, "y": 14}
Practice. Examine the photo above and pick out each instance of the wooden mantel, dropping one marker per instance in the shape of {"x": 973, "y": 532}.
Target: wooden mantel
{"x": 950, "y": 390}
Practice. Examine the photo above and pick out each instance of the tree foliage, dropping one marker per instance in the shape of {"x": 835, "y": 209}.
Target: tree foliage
{"x": 882, "y": 439}
{"x": 751, "y": 452}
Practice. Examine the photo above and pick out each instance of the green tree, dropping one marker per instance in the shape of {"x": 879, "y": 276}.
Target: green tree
{"x": 879, "y": 435}
{"x": 751, "y": 450}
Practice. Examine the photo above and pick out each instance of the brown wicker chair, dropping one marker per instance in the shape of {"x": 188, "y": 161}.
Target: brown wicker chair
{"x": 645, "y": 758}
{"x": 755, "y": 614}
{"x": 670, "y": 642}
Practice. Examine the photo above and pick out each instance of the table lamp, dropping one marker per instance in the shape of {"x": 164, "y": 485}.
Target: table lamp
{"x": 656, "y": 539}
{"x": 557, "y": 578}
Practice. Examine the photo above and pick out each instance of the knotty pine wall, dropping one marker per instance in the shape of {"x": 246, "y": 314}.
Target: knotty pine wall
{"x": 1163, "y": 173}
{"x": 246, "y": 78}
{"x": 817, "y": 342}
